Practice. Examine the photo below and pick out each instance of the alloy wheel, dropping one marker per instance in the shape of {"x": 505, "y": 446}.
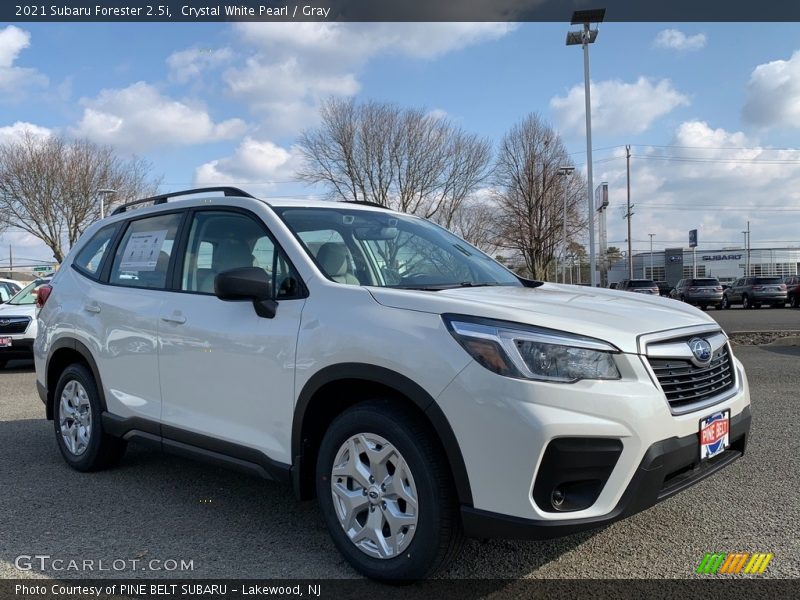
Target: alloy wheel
{"x": 75, "y": 418}
{"x": 374, "y": 495}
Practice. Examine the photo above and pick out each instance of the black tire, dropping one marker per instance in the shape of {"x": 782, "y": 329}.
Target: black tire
{"x": 746, "y": 302}
{"x": 704, "y": 307}
{"x": 102, "y": 450}
{"x": 794, "y": 301}
{"x": 438, "y": 535}
{"x": 720, "y": 306}
{"x": 3, "y": 363}
{"x": 725, "y": 304}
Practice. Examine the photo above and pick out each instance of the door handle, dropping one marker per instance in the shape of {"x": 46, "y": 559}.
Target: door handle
{"x": 179, "y": 319}
{"x": 92, "y": 308}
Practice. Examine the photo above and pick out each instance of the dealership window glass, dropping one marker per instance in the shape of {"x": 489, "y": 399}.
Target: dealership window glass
{"x": 142, "y": 257}
{"x": 91, "y": 255}
{"x": 688, "y": 272}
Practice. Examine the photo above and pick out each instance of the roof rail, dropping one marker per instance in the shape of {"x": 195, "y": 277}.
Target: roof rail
{"x": 366, "y": 203}
{"x": 163, "y": 198}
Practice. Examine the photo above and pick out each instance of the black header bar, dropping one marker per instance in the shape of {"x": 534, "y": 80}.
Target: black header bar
{"x": 397, "y": 10}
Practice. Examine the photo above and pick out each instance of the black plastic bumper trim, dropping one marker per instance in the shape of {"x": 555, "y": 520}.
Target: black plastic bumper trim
{"x": 668, "y": 467}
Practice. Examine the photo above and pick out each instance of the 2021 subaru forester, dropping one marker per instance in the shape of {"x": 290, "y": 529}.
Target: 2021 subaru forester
{"x": 418, "y": 388}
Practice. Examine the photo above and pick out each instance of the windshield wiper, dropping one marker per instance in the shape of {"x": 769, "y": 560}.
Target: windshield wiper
{"x": 437, "y": 287}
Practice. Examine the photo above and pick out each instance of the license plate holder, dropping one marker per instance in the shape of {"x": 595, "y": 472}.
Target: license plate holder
{"x": 714, "y": 433}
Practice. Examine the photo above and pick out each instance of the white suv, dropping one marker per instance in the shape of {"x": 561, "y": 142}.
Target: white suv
{"x": 419, "y": 389}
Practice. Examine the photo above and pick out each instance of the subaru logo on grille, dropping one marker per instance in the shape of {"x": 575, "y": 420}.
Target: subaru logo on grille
{"x": 701, "y": 351}
{"x": 4, "y": 322}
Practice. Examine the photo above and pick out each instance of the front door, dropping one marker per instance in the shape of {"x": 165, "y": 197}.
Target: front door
{"x": 226, "y": 372}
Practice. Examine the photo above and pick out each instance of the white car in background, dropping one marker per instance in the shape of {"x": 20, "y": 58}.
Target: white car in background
{"x": 18, "y": 323}
{"x": 8, "y": 287}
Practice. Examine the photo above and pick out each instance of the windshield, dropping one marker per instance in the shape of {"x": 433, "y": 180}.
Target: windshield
{"x": 359, "y": 247}
{"x": 27, "y": 295}
{"x": 763, "y": 280}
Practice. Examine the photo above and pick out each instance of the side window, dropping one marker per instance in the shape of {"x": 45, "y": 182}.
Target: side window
{"x": 91, "y": 255}
{"x": 220, "y": 241}
{"x": 4, "y": 293}
{"x": 142, "y": 257}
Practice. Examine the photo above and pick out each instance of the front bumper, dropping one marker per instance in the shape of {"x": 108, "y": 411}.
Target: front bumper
{"x": 668, "y": 466}
{"x": 21, "y": 348}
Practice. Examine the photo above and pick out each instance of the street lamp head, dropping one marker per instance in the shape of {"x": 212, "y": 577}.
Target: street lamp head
{"x": 106, "y": 191}
{"x": 566, "y": 170}
{"x": 592, "y": 15}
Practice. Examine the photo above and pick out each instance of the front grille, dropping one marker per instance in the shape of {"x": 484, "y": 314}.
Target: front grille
{"x": 685, "y": 384}
{"x": 14, "y": 324}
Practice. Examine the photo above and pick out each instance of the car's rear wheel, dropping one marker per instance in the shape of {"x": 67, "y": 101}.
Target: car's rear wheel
{"x": 385, "y": 492}
{"x": 746, "y": 302}
{"x": 794, "y": 301}
{"x": 3, "y": 363}
{"x": 721, "y": 305}
{"x": 725, "y": 304}
{"x": 77, "y": 417}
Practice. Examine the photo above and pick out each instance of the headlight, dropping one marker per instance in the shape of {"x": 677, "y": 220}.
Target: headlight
{"x": 524, "y": 352}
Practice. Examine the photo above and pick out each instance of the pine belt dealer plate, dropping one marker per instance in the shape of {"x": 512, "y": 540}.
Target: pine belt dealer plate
{"x": 5, "y": 342}
{"x": 715, "y": 434}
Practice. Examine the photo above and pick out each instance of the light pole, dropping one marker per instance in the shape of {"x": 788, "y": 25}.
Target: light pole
{"x": 565, "y": 173}
{"x": 103, "y": 193}
{"x": 652, "y": 235}
{"x": 584, "y": 37}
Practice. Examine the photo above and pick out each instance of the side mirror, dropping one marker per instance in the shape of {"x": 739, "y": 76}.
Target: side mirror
{"x": 247, "y": 283}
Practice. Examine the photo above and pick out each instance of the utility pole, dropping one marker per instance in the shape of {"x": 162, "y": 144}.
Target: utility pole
{"x": 629, "y": 214}
{"x": 746, "y": 233}
{"x": 565, "y": 173}
{"x": 651, "y": 254}
{"x": 10, "y": 262}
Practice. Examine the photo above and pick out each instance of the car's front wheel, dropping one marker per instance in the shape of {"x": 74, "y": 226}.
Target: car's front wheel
{"x": 746, "y": 302}
{"x": 794, "y": 301}
{"x": 77, "y": 417}
{"x": 386, "y": 494}
{"x": 725, "y": 304}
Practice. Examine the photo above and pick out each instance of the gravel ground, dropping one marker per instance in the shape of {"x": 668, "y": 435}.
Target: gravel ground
{"x": 230, "y": 525}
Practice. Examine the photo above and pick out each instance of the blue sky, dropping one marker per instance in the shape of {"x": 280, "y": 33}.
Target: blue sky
{"x": 224, "y": 103}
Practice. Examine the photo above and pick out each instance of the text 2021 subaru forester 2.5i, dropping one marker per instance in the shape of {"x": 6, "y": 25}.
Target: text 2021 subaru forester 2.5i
{"x": 419, "y": 389}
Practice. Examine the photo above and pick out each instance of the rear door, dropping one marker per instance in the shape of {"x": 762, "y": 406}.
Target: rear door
{"x": 123, "y": 312}
{"x": 227, "y": 373}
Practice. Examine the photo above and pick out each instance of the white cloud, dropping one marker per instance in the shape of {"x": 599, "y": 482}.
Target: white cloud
{"x": 721, "y": 180}
{"x": 14, "y": 81}
{"x": 291, "y": 66}
{"x": 258, "y": 163}
{"x": 674, "y": 39}
{"x": 139, "y": 117}
{"x": 193, "y": 62}
{"x": 773, "y": 94}
{"x": 15, "y": 132}
{"x": 617, "y": 107}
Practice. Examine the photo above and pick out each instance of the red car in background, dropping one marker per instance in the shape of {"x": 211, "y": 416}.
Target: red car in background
{"x": 792, "y": 290}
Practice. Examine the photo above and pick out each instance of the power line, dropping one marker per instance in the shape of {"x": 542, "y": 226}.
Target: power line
{"x": 746, "y": 161}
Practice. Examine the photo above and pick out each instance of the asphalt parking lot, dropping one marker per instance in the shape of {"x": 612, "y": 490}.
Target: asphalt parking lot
{"x": 757, "y": 319}
{"x": 230, "y": 525}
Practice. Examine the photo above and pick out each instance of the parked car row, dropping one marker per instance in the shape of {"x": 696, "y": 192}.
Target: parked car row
{"x": 18, "y": 323}
{"x": 749, "y": 292}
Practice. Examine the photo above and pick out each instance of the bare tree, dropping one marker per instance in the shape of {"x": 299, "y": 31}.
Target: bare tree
{"x": 48, "y": 186}
{"x": 530, "y": 194}
{"x": 405, "y": 159}
{"x": 476, "y": 221}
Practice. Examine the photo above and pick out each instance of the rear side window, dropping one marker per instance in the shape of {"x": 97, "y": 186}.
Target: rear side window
{"x": 91, "y": 255}
{"x": 142, "y": 257}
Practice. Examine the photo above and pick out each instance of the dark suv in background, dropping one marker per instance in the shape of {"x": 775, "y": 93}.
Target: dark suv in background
{"x": 701, "y": 292}
{"x": 752, "y": 292}
{"x": 640, "y": 286}
{"x": 792, "y": 283}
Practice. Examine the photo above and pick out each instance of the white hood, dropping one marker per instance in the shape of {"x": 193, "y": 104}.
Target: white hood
{"x": 18, "y": 310}
{"x": 610, "y": 315}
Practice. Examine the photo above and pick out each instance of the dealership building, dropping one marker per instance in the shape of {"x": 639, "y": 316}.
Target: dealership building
{"x": 673, "y": 264}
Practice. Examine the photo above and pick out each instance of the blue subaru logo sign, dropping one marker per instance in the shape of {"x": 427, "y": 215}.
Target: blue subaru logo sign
{"x": 701, "y": 351}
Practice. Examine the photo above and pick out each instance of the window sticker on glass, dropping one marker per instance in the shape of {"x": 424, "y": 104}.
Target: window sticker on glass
{"x": 142, "y": 251}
